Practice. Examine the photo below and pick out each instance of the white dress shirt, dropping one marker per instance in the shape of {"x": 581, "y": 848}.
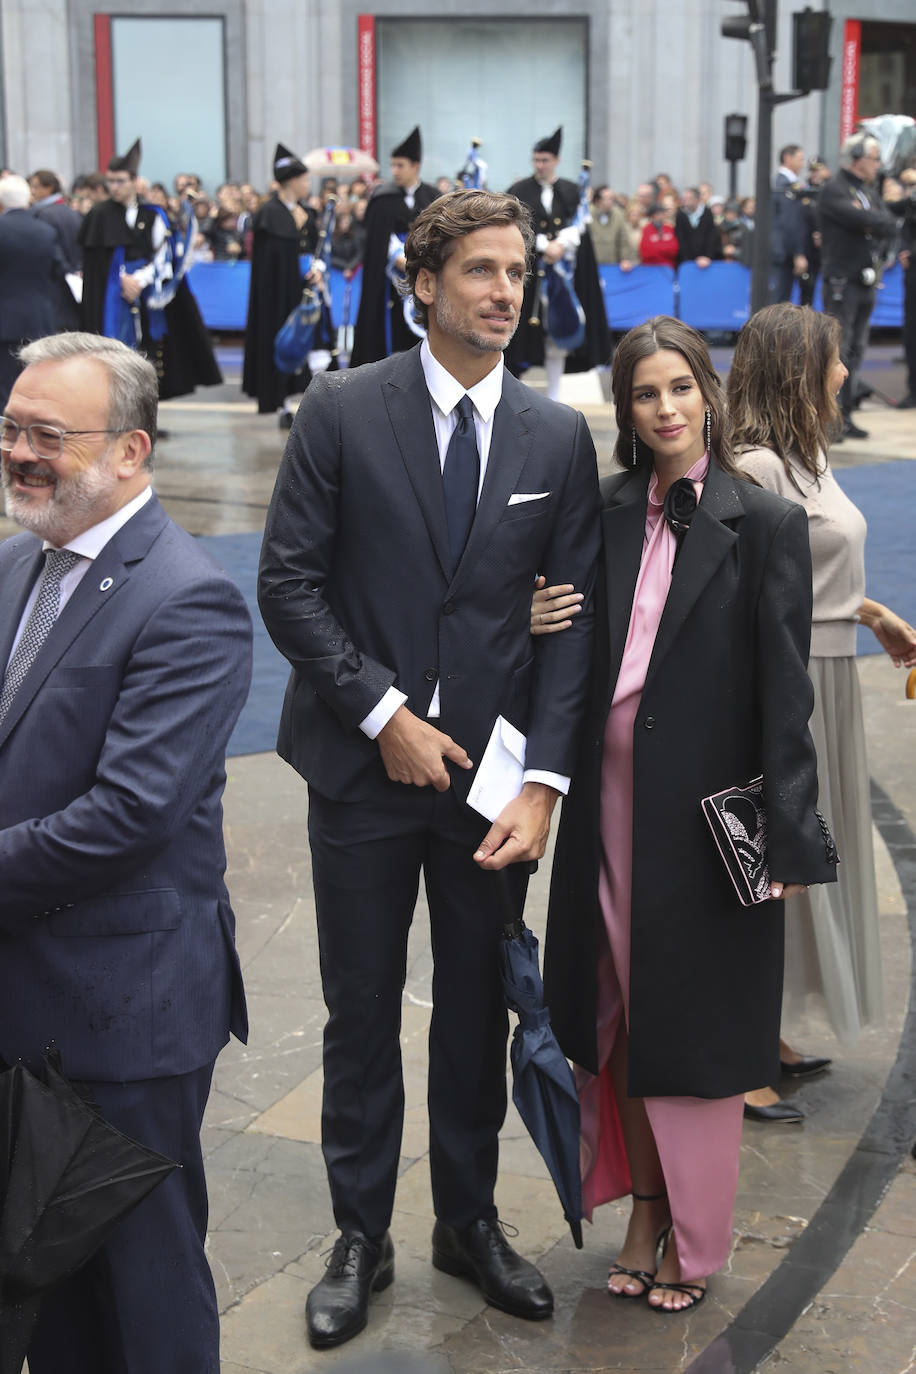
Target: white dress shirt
{"x": 445, "y": 391}
{"x": 88, "y": 545}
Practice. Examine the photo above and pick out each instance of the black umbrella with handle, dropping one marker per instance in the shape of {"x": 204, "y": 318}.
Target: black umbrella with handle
{"x": 67, "y": 1176}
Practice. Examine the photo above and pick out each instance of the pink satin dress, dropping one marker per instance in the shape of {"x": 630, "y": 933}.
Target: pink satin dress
{"x": 698, "y": 1139}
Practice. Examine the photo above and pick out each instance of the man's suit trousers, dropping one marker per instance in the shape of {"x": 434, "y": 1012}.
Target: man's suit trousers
{"x": 145, "y": 1304}
{"x": 366, "y": 862}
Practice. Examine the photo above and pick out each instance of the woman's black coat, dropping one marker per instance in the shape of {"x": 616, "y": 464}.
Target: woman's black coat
{"x": 727, "y": 697}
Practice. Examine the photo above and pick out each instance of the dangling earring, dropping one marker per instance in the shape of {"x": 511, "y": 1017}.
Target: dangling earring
{"x": 708, "y": 429}
{"x": 635, "y": 456}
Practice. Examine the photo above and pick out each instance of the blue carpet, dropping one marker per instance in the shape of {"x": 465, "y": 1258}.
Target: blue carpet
{"x": 256, "y": 729}
{"x": 885, "y": 493}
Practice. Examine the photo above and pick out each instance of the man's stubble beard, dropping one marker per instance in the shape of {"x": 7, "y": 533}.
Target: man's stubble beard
{"x": 448, "y": 322}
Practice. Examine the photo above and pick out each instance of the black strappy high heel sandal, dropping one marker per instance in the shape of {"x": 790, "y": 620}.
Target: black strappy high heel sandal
{"x": 641, "y": 1276}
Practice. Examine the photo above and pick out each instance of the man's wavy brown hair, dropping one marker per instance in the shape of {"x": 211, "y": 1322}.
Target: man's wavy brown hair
{"x": 436, "y": 229}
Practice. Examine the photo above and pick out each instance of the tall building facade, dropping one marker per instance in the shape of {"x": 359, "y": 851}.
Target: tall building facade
{"x": 640, "y": 86}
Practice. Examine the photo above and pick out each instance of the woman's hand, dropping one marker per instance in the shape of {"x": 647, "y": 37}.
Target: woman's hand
{"x": 553, "y": 607}
{"x": 896, "y": 637}
{"x": 782, "y": 890}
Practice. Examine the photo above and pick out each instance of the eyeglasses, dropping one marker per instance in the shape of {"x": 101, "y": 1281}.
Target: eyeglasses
{"x": 45, "y": 441}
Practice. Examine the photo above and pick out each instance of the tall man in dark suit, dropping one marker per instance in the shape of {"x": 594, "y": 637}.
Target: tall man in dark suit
{"x": 126, "y": 657}
{"x": 789, "y": 230}
{"x": 417, "y": 500}
{"x": 30, "y": 269}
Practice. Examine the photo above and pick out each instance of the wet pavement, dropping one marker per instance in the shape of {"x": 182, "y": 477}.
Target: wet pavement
{"x": 822, "y": 1276}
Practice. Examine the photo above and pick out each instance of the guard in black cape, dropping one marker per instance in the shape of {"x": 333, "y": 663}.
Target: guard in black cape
{"x": 284, "y": 229}
{"x": 553, "y": 202}
{"x": 381, "y": 327}
{"x": 130, "y": 266}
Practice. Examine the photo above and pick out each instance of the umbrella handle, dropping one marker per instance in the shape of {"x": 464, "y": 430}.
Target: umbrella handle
{"x": 512, "y": 884}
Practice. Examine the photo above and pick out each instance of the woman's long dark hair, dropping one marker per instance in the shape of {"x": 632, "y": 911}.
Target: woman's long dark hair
{"x": 663, "y": 331}
{"x": 778, "y": 392}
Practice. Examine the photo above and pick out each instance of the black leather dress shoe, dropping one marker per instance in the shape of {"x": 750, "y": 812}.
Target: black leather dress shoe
{"x": 777, "y": 1111}
{"x": 806, "y": 1067}
{"x": 338, "y": 1306}
{"x": 481, "y": 1252}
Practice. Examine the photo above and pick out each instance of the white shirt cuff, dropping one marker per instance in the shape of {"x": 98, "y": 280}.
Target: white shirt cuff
{"x": 381, "y": 713}
{"x": 554, "y": 780}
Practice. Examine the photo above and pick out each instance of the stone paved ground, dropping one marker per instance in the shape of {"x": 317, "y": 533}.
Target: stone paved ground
{"x": 271, "y": 1223}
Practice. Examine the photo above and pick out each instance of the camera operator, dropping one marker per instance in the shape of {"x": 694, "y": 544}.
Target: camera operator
{"x": 908, "y": 260}
{"x": 855, "y": 230}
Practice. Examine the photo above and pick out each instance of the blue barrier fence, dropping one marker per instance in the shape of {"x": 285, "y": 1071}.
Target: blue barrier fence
{"x": 713, "y": 297}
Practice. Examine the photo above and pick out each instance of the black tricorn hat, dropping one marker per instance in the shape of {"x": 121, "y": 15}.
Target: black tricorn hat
{"x": 551, "y": 144}
{"x": 411, "y": 148}
{"x": 286, "y": 164}
{"x": 130, "y": 162}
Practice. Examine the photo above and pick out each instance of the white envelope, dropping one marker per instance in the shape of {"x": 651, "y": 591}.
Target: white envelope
{"x": 518, "y": 497}
{"x": 500, "y": 772}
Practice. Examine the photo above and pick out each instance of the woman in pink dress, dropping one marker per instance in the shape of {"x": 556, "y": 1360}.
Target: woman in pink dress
{"x": 661, "y": 985}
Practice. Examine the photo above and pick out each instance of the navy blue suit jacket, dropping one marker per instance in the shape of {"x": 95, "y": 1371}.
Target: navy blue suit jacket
{"x": 357, "y": 589}
{"x": 31, "y": 266}
{"x": 789, "y": 229}
{"x": 116, "y": 934}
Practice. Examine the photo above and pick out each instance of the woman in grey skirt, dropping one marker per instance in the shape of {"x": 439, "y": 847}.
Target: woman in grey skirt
{"x": 781, "y": 395}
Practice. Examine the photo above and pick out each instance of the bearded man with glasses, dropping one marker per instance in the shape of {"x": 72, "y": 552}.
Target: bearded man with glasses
{"x": 125, "y": 658}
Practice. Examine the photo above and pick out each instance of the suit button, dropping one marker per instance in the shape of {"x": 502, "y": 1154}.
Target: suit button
{"x": 448, "y": 607}
{"x": 649, "y": 722}
{"x": 430, "y": 675}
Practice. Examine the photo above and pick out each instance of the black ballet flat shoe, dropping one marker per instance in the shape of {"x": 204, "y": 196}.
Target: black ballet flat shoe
{"x": 481, "y": 1253}
{"x": 778, "y": 1112}
{"x": 338, "y": 1307}
{"x": 806, "y": 1067}
{"x": 695, "y": 1292}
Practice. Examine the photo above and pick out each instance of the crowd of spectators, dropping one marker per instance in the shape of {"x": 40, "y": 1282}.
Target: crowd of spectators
{"x": 655, "y": 224}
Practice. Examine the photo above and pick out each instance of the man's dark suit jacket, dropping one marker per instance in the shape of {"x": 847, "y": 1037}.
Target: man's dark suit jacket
{"x": 355, "y": 586}
{"x": 30, "y": 264}
{"x": 66, "y": 223}
{"x": 789, "y": 230}
{"x": 116, "y": 934}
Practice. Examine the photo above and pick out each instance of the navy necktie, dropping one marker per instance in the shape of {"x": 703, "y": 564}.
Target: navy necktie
{"x": 58, "y": 563}
{"x": 460, "y": 477}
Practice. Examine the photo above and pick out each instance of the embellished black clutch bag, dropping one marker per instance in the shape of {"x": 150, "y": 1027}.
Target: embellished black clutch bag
{"x": 738, "y": 821}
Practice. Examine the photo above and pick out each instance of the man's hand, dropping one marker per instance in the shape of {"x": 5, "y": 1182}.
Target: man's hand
{"x": 553, "y": 252}
{"x": 703, "y": 262}
{"x": 413, "y": 751}
{"x": 799, "y": 265}
{"x": 130, "y": 287}
{"x": 520, "y": 831}
{"x": 625, "y": 265}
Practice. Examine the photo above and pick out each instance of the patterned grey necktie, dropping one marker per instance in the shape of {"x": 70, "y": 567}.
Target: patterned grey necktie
{"x": 45, "y": 611}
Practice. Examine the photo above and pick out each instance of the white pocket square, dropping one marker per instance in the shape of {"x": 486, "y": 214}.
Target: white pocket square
{"x": 518, "y": 497}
